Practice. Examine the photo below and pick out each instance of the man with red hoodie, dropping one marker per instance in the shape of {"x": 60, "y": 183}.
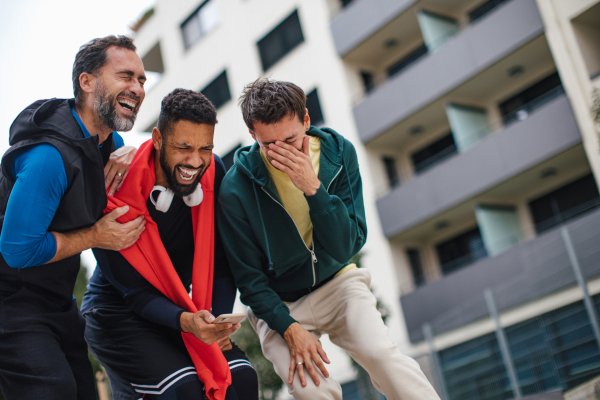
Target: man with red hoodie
{"x": 154, "y": 341}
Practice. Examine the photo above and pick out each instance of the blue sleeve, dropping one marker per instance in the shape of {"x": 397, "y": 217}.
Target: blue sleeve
{"x": 119, "y": 142}
{"x": 40, "y": 183}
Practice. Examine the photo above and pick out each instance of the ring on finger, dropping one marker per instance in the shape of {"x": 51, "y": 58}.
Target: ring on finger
{"x": 300, "y": 363}
{"x": 119, "y": 174}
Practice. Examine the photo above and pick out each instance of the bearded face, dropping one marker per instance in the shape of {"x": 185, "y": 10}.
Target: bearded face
{"x": 105, "y": 107}
{"x": 182, "y": 178}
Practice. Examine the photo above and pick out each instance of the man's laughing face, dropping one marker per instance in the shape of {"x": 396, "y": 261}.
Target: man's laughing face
{"x": 185, "y": 154}
{"x": 119, "y": 90}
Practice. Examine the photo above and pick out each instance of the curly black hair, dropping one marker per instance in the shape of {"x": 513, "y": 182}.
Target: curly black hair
{"x": 268, "y": 102}
{"x": 186, "y": 105}
{"x": 92, "y": 56}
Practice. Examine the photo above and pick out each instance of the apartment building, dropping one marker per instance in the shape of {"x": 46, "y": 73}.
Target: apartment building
{"x": 475, "y": 118}
{"x": 219, "y": 46}
{"x": 472, "y": 124}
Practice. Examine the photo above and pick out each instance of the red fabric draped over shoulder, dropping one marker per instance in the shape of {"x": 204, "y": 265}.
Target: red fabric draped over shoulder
{"x": 149, "y": 257}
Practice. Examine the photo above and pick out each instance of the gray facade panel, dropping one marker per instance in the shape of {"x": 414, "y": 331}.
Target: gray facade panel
{"x": 361, "y": 19}
{"x": 524, "y": 273}
{"x": 462, "y": 57}
{"x": 548, "y": 131}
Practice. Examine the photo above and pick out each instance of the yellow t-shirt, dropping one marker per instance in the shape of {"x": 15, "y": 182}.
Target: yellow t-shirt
{"x": 293, "y": 198}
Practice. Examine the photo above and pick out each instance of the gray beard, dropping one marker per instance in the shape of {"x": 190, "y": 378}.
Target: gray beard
{"x": 107, "y": 111}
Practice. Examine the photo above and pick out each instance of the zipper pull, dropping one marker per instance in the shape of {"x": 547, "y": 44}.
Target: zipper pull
{"x": 314, "y": 257}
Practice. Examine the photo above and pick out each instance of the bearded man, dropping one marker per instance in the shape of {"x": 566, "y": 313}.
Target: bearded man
{"x": 65, "y": 155}
{"x": 154, "y": 341}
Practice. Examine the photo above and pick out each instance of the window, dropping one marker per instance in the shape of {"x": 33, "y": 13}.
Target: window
{"x": 564, "y": 203}
{"x": 280, "y": 41}
{"x": 228, "y": 158}
{"x": 434, "y": 153}
{"x": 414, "y": 259}
{"x": 474, "y": 370}
{"x": 553, "y": 350}
{"x": 314, "y": 108}
{"x": 367, "y": 79}
{"x": 218, "y": 90}
{"x": 407, "y": 61}
{"x": 518, "y": 106}
{"x": 390, "y": 170}
{"x": 461, "y": 250}
{"x": 556, "y": 349}
{"x": 202, "y": 21}
{"x": 483, "y": 9}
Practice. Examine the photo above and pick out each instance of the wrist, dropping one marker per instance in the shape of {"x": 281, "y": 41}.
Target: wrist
{"x": 91, "y": 237}
{"x": 185, "y": 321}
{"x": 313, "y": 187}
{"x": 291, "y": 330}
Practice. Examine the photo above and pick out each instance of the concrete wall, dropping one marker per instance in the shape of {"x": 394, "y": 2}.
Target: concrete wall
{"x": 361, "y": 19}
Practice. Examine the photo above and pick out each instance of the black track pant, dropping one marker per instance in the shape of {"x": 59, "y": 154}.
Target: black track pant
{"x": 150, "y": 361}
{"x": 43, "y": 355}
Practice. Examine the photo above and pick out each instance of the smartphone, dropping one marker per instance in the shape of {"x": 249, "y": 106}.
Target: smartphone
{"x": 233, "y": 319}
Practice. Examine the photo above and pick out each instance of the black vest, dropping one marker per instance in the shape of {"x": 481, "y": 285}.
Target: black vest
{"x": 51, "y": 121}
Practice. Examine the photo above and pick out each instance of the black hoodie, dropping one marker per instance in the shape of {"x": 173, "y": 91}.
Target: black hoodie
{"x": 51, "y": 122}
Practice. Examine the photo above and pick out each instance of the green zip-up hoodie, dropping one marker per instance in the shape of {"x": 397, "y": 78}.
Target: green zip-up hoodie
{"x": 265, "y": 250}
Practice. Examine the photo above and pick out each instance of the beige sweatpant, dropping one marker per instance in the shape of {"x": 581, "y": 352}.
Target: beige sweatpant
{"x": 344, "y": 308}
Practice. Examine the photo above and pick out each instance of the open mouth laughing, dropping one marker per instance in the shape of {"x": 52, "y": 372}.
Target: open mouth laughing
{"x": 187, "y": 175}
{"x": 127, "y": 103}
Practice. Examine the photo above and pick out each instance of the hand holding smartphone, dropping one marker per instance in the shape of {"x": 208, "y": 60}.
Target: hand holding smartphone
{"x": 232, "y": 319}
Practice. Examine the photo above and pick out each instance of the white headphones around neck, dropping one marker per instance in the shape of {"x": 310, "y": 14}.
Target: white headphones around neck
{"x": 165, "y": 198}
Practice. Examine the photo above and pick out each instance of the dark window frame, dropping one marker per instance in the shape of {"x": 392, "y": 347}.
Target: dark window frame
{"x": 218, "y": 101}
{"x": 185, "y": 21}
{"x": 283, "y": 32}
{"x": 315, "y": 112}
{"x": 408, "y": 60}
{"x": 483, "y": 9}
{"x": 416, "y": 266}
{"x": 560, "y": 205}
{"x": 530, "y": 98}
{"x": 391, "y": 171}
{"x": 469, "y": 242}
{"x": 436, "y": 156}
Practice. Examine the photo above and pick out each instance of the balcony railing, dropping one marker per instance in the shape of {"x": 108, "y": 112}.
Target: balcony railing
{"x": 526, "y": 272}
{"x": 548, "y": 131}
{"x": 468, "y": 53}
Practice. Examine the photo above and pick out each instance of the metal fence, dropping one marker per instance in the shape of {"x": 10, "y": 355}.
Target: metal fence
{"x": 554, "y": 345}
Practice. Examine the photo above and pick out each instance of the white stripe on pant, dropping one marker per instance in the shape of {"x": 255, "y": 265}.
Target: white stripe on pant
{"x": 345, "y": 309}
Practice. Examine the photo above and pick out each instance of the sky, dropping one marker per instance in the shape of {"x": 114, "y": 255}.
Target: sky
{"x": 38, "y": 43}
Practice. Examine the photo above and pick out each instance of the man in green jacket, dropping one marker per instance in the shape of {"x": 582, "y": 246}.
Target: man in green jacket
{"x": 291, "y": 216}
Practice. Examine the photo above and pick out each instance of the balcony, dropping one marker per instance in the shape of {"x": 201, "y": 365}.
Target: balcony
{"x": 546, "y": 132}
{"x": 462, "y": 57}
{"x": 360, "y": 19}
{"x": 526, "y": 272}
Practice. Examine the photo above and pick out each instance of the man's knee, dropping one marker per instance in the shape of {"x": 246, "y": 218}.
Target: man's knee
{"x": 327, "y": 389}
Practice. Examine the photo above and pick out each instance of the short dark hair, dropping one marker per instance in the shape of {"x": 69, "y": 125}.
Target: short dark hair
{"x": 268, "y": 102}
{"x": 187, "y": 105}
{"x": 92, "y": 56}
